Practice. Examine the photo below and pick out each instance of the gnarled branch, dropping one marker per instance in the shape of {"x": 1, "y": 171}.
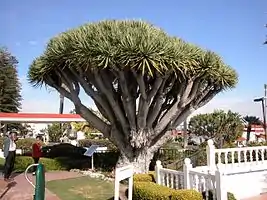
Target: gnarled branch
{"x": 113, "y": 103}
{"x": 128, "y": 100}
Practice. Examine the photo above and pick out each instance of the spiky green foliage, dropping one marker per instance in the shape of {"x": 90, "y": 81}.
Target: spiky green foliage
{"x": 142, "y": 80}
{"x": 125, "y": 45}
{"x": 10, "y": 98}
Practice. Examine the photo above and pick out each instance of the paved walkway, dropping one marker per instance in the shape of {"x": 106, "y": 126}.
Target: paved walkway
{"x": 20, "y": 189}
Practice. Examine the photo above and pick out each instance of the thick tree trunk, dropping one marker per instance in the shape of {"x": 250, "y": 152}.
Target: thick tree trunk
{"x": 140, "y": 161}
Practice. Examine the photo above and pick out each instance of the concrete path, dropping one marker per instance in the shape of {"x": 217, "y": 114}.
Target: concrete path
{"x": 20, "y": 189}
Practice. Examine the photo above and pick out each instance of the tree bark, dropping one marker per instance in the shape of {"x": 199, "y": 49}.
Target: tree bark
{"x": 140, "y": 161}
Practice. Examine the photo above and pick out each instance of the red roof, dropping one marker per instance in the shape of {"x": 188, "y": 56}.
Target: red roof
{"x": 39, "y": 117}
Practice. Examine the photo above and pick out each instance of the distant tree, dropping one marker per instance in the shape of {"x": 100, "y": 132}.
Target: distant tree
{"x": 251, "y": 120}
{"x": 142, "y": 80}
{"x": 10, "y": 98}
{"x": 223, "y": 127}
{"x": 54, "y": 132}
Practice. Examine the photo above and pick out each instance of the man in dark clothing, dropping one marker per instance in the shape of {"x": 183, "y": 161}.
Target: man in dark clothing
{"x": 10, "y": 155}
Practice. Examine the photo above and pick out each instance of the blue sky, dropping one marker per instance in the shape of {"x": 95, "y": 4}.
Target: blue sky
{"x": 233, "y": 29}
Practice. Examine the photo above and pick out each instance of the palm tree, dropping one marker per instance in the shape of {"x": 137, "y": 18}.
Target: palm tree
{"x": 251, "y": 120}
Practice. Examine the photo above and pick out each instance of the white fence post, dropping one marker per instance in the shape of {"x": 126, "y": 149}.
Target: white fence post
{"x": 210, "y": 150}
{"x": 158, "y": 167}
{"x": 221, "y": 193}
{"x": 186, "y": 168}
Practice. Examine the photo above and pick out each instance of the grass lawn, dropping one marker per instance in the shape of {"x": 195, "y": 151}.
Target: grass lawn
{"x": 82, "y": 188}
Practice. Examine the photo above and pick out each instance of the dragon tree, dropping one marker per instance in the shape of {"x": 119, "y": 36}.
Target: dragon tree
{"x": 142, "y": 80}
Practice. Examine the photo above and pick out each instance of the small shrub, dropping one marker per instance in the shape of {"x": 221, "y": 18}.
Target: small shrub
{"x": 231, "y": 196}
{"x": 150, "y": 177}
{"x": 151, "y": 191}
{"x": 22, "y": 162}
{"x": 186, "y": 195}
{"x": 100, "y": 142}
{"x": 63, "y": 150}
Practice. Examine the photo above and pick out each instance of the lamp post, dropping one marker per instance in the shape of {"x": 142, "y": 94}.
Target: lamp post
{"x": 263, "y": 101}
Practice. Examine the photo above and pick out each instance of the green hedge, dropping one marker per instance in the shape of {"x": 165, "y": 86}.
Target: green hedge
{"x": 151, "y": 191}
{"x": 145, "y": 188}
{"x": 72, "y": 157}
{"x": 22, "y": 162}
{"x": 63, "y": 150}
{"x": 100, "y": 142}
{"x": 150, "y": 177}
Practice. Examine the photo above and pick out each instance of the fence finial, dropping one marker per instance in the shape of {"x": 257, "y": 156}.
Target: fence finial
{"x": 187, "y": 161}
{"x": 210, "y": 142}
{"x": 158, "y": 163}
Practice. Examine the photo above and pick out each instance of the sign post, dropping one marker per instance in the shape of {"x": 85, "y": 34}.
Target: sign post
{"x": 123, "y": 173}
{"x": 90, "y": 153}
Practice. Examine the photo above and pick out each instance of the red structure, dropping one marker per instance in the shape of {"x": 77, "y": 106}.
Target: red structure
{"x": 39, "y": 118}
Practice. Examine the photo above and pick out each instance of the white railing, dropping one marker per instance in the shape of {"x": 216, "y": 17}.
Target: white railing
{"x": 170, "y": 178}
{"x": 192, "y": 178}
{"x": 210, "y": 179}
{"x": 244, "y": 159}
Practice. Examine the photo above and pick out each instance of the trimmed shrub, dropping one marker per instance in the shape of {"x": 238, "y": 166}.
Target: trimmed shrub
{"x": 151, "y": 191}
{"x": 150, "y": 177}
{"x": 22, "y": 162}
{"x": 72, "y": 157}
{"x": 186, "y": 195}
{"x": 231, "y": 196}
{"x": 100, "y": 142}
{"x": 63, "y": 150}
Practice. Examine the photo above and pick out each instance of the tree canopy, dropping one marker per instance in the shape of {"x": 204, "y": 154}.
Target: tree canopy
{"x": 253, "y": 120}
{"x": 142, "y": 80}
{"x": 219, "y": 125}
{"x": 10, "y": 98}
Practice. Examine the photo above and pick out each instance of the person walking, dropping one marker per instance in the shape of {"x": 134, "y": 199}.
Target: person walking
{"x": 36, "y": 152}
{"x": 10, "y": 155}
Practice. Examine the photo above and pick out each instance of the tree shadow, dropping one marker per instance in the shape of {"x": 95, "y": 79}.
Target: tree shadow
{"x": 8, "y": 187}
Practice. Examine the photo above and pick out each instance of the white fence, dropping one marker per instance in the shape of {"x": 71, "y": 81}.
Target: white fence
{"x": 237, "y": 160}
{"x": 224, "y": 166}
{"x": 192, "y": 178}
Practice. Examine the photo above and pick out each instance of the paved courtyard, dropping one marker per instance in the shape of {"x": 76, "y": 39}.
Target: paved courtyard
{"x": 20, "y": 189}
